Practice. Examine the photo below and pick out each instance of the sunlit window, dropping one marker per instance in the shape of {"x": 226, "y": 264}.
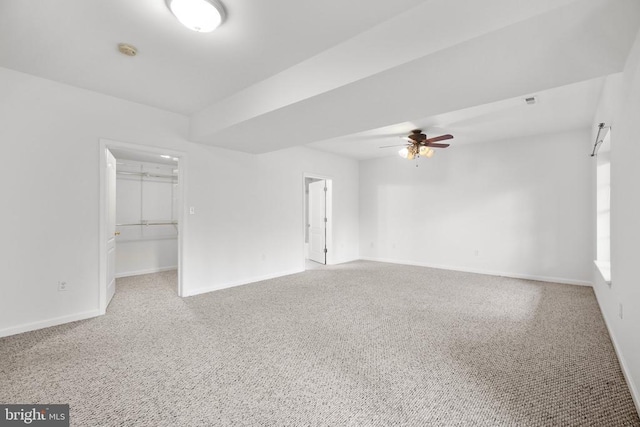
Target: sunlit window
{"x": 603, "y": 197}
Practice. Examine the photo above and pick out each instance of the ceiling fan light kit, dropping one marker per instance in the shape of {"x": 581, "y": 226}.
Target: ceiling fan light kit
{"x": 202, "y": 16}
{"x": 421, "y": 146}
{"x": 427, "y": 152}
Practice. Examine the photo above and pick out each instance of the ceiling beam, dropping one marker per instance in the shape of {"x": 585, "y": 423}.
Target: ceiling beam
{"x": 579, "y": 41}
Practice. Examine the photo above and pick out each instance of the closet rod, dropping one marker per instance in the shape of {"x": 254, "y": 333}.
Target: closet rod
{"x": 146, "y": 174}
{"x": 148, "y": 223}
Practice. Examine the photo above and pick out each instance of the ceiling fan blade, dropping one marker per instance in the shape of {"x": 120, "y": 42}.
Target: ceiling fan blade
{"x": 397, "y": 145}
{"x": 436, "y": 145}
{"x": 439, "y": 138}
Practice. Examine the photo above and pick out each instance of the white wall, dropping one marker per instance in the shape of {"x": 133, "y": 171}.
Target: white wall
{"x": 524, "y": 205}
{"x": 620, "y": 107}
{"x": 249, "y": 209}
{"x": 135, "y": 257}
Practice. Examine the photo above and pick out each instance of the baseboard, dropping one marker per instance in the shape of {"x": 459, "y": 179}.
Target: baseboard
{"x": 204, "y": 290}
{"x": 145, "y": 271}
{"x": 13, "y": 330}
{"x": 635, "y": 394}
{"x": 487, "y": 272}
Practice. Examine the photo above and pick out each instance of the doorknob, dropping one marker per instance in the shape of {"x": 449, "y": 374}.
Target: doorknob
{"x": 117, "y": 233}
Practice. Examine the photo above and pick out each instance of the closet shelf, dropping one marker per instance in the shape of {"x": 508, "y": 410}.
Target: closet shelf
{"x": 146, "y": 239}
{"x": 148, "y": 223}
{"x": 146, "y": 174}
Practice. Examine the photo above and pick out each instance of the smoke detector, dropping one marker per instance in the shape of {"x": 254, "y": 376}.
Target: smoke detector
{"x": 531, "y": 100}
{"x": 127, "y": 49}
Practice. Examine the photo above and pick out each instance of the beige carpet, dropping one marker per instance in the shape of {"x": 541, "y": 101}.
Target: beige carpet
{"x": 362, "y": 344}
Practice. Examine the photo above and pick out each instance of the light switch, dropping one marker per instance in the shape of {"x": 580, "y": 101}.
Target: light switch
{"x": 192, "y": 210}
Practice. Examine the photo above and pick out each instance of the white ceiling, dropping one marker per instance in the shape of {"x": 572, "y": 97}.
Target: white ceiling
{"x": 333, "y": 74}
{"x": 75, "y": 42}
{"x": 556, "y": 110}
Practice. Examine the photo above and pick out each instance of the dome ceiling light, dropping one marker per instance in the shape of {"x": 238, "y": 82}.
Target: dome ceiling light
{"x": 203, "y": 16}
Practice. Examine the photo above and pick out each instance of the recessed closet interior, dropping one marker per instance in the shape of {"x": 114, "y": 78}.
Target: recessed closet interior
{"x": 146, "y": 213}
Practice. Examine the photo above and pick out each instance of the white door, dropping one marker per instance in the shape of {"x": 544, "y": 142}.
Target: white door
{"x": 317, "y": 221}
{"x": 111, "y": 225}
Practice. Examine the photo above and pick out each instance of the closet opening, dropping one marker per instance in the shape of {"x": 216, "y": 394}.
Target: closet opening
{"x": 141, "y": 212}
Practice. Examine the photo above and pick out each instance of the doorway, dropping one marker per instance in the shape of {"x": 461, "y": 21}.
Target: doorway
{"x": 141, "y": 213}
{"x": 318, "y": 221}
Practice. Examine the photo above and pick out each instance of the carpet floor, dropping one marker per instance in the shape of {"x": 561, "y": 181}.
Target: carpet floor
{"x": 359, "y": 344}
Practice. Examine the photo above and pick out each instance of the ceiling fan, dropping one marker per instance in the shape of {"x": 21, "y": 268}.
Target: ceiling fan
{"x": 419, "y": 145}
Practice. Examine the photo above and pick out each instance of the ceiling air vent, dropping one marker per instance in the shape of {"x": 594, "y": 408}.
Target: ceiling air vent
{"x": 530, "y": 100}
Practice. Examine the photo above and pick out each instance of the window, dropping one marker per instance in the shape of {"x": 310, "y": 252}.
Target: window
{"x": 603, "y": 203}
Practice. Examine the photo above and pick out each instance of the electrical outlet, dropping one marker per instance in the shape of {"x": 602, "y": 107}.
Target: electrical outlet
{"x": 62, "y": 286}
{"x": 192, "y": 210}
{"x": 620, "y": 310}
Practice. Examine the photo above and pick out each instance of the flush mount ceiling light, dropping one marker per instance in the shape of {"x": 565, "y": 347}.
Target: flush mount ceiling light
{"x": 419, "y": 145}
{"x": 203, "y": 16}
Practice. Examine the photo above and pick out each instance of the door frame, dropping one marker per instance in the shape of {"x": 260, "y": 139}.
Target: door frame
{"x": 106, "y": 144}
{"x": 329, "y": 212}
